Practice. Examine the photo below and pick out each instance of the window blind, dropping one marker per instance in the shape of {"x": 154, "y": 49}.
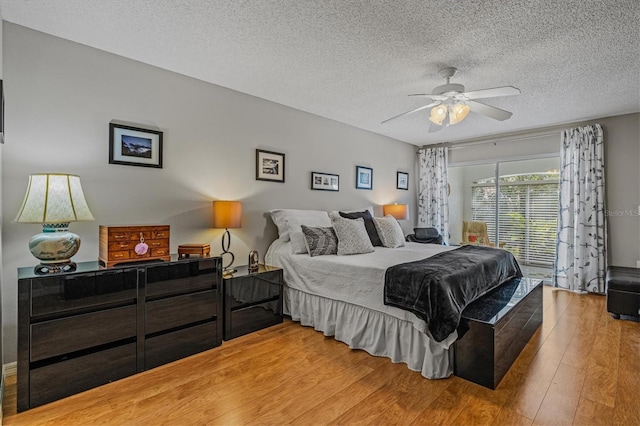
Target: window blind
{"x": 527, "y": 214}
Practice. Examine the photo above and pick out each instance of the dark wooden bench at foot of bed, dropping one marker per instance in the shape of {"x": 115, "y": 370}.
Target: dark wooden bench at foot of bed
{"x": 495, "y": 328}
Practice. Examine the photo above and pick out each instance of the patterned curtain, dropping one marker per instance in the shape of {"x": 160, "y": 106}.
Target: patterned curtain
{"x": 433, "y": 203}
{"x": 581, "y": 243}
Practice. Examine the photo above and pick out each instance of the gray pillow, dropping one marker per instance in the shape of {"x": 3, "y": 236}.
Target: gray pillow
{"x": 368, "y": 224}
{"x": 320, "y": 241}
{"x": 390, "y": 231}
{"x": 352, "y": 236}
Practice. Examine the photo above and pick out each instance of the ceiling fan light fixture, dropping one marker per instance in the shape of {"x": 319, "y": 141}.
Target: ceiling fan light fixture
{"x": 458, "y": 113}
{"x": 438, "y": 114}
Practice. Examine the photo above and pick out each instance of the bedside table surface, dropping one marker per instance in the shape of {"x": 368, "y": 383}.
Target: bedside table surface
{"x": 243, "y": 271}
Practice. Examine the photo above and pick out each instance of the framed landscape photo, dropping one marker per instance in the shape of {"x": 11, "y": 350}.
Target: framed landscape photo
{"x": 364, "y": 177}
{"x": 325, "y": 181}
{"x": 403, "y": 180}
{"x": 134, "y": 146}
{"x": 269, "y": 166}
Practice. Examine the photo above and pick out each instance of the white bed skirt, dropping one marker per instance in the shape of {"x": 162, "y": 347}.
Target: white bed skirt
{"x": 375, "y": 332}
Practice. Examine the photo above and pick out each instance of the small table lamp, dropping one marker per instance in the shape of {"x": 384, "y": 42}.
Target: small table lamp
{"x": 227, "y": 214}
{"x": 54, "y": 200}
{"x": 399, "y": 211}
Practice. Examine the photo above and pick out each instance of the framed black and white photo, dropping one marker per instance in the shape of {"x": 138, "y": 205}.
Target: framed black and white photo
{"x": 134, "y": 146}
{"x": 269, "y": 166}
{"x": 403, "y": 180}
{"x": 325, "y": 181}
{"x": 364, "y": 177}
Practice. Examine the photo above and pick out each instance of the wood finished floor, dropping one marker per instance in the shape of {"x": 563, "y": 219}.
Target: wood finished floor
{"x": 581, "y": 367}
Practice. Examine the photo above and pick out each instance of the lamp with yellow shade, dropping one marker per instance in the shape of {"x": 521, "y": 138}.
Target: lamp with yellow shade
{"x": 227, "y": 214}
{"x": 54, "y": 200}
{"x": 399, "y": 211}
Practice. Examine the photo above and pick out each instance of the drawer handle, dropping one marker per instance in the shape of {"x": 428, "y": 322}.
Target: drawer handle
{"x": 124, "y": 245}
{"x": 156, "y": 243}
{"x": 118, "y": 255}
{"x": 119, "y": 237}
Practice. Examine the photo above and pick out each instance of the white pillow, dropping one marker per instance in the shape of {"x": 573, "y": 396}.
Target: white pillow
{"x": 295, "y": 229}
{"x": 352, "y": 235}
{"x": 390, "y": 231}
{"x": 281, "y": 216}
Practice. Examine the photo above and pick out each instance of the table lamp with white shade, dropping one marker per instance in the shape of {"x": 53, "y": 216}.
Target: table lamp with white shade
{"x": 54, "y": 200}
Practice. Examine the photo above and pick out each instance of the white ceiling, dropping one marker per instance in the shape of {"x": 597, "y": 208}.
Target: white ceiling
{"x": 355, "y": 61}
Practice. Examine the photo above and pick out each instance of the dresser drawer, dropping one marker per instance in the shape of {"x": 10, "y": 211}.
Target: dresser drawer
{"x": 119, "y": 255}
{"x": 75, "y": 375}
{"x": 179, "y": 344}
{"x": 159, "y": 251}
{"x": 57, "y": 295}
{"x": 66, "y": 335}
{"x": 165, "y": 314}
{"x": 182, "y": 277}
{"x": 160, "y": 232}
{"x": 121, "y": 246}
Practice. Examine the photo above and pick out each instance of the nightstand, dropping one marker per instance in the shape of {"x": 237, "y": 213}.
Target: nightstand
{"x": 252, "y": 300}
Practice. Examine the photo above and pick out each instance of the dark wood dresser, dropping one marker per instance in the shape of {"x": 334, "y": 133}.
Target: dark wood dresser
{"x": 83, "y": 329}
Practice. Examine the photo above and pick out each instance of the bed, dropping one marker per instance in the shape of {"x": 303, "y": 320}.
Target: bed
{"x": 343, "y": 296}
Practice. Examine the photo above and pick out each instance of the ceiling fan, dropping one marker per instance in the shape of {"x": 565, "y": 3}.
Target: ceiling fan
{"x": 451, "y": 103}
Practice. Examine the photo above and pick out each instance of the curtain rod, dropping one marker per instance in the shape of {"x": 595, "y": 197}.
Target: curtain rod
{"x": 494, "y": 140}
{"x": 522, "y": 135}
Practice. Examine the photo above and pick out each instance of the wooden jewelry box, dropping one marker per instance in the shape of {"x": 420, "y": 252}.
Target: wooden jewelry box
{"x": 133, "y": 243}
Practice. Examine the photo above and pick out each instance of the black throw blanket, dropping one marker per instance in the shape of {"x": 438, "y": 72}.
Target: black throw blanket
{"x": 438, "y": 288}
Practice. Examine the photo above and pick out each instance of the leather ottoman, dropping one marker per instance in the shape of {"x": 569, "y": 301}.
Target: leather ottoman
{"x": 623, "y": 291}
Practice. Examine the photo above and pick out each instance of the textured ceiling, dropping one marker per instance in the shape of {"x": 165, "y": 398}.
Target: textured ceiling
{"x": 355, "y": 61}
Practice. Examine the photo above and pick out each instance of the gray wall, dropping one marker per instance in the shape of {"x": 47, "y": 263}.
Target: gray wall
{"x": 63, "y": 96}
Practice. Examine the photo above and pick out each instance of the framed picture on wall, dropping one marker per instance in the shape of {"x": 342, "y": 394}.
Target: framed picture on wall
{"x": 364, "y": 177}
{"x": 325, "y": 181}
{"x": 402, "y": 180}
{"x": 135, "y": 146}
{"x": 269, "y": 166}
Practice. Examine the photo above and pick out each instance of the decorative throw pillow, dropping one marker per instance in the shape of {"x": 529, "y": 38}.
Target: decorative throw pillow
{"x": 320, "y": 241}
{"x": 295, "y": 229}
{"x": 352, "y": 236}
{"x": 281, "y": 217}
{"x": 390, "y": 231}
{"x": 368, "y": 224}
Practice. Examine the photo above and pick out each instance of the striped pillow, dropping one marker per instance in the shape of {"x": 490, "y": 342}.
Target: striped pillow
{"x": 320, "y": 241}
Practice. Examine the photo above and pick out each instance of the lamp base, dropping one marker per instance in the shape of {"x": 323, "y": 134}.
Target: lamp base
{"x": 55, "y": 244}
{"x": 227, "y": 269}
{"x": 54, "y": 268}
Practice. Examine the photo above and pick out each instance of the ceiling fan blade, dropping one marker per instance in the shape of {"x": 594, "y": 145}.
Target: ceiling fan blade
{"x": 412, "y": 111}
{"x": 489, "y": 111}
{"x": 428, "y": 95}
{"x": 492, "y": 93}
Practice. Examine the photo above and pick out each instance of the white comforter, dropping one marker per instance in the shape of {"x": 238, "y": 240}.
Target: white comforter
{"x": 356, "y": 279}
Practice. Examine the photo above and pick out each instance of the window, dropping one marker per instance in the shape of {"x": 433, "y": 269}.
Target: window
{"x": 527, "y": 214}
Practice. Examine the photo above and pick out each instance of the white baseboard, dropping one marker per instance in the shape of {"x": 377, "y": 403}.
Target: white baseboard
{"x": 10, "y": 368}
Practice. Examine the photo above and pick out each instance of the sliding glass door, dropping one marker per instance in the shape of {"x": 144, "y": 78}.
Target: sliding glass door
{"x": 518, "y": 202}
